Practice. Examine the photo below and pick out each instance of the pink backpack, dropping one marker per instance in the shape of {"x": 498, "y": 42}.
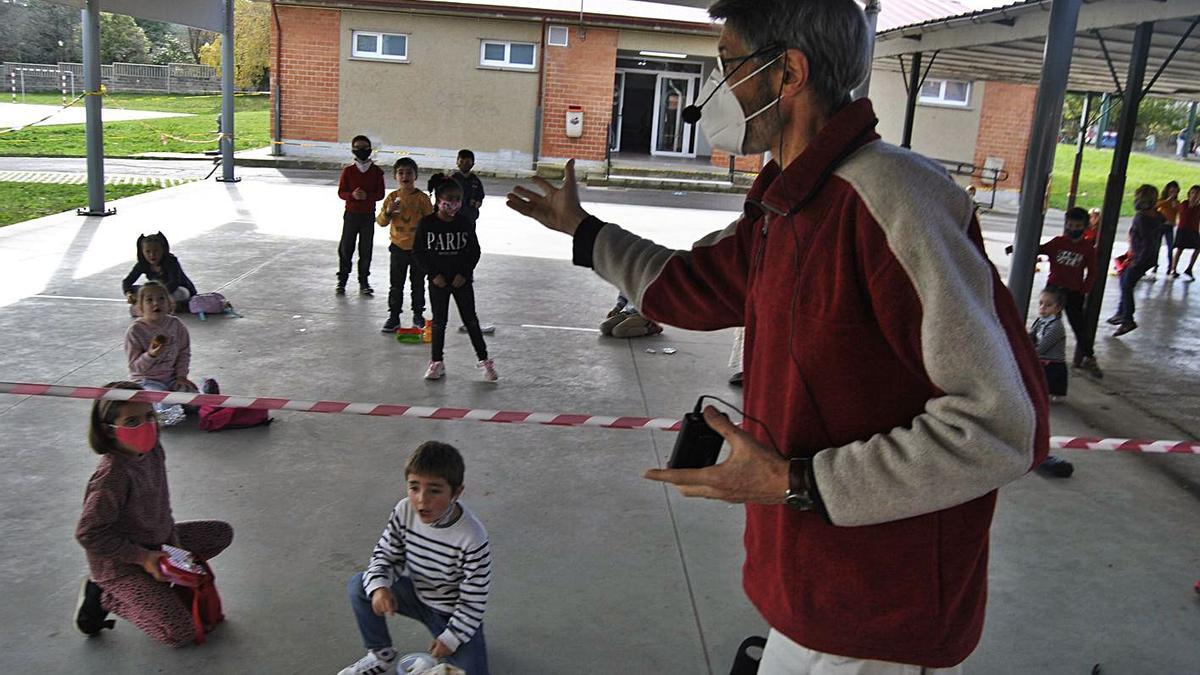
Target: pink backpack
{"x": 208, "y": 303}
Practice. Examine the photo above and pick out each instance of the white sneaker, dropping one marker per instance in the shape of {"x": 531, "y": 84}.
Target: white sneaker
{"x": 489, "y": 370}
{"x": 376, "y": 662}
{"x": 435, "y": 371}
{"x": 171, "y": 416}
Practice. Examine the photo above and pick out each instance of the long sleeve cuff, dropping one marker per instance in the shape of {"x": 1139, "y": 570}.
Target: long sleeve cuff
{"x": 585, "y": 241}
{"x": 374, "y": 584}
{"x": 448, "y": 638}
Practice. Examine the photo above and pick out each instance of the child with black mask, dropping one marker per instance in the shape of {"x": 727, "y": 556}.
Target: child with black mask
{"x": 360, "y": 186}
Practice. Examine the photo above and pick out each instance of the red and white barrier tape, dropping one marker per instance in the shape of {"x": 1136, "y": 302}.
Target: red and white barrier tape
{"x": 343, "y": 407}
{"x": 498, "y": 416}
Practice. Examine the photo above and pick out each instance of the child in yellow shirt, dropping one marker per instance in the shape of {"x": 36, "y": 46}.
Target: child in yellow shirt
{"x": 402, "y": 210}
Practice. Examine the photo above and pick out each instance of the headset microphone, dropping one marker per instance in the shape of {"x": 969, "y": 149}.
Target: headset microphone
{"x": 691, "y": 114}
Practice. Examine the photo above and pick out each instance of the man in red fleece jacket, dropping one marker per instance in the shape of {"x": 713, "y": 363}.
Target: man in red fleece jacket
{"x": 882, "y": 353}
{"x": 360, "y": 186}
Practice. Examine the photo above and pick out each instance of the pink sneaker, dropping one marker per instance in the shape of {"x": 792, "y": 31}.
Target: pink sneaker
{"x": 489, "y": 370}
{"x": 435, "y": 371}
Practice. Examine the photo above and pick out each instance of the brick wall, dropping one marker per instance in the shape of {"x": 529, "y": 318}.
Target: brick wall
{"x": 1004, "y": 127}
{"x": 309, "y": 72}
{"x": 751, "y": 163}
{"x": 579, "y": 74}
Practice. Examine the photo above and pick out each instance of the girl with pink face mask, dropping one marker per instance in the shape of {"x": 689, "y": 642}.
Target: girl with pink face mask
{"x": 126, "y": 520}
{"x": 447, "y": 249}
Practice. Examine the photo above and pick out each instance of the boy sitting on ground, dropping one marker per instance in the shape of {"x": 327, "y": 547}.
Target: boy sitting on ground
{"x": 433, "y": 564}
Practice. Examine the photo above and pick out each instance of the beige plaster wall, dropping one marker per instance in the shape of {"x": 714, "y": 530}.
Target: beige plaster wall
{"x": 440, "y": 97}
{"x": 940, "y": 132}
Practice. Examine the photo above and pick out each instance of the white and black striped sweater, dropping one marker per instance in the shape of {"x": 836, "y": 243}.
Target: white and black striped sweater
{"x": 450, "y": 567}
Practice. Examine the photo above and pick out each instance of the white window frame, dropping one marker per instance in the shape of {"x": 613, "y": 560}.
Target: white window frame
{"x": 566, "y": 36}
{"x": 507, "y": 63}
{"x": 378, "y": 55}
{"x": 941, "y": 99}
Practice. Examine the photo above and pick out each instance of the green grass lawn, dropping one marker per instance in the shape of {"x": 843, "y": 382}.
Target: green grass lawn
{"x": 1093, "y": 177}
{"x": 252, "y": 124}
{"x": 26, "y": 201}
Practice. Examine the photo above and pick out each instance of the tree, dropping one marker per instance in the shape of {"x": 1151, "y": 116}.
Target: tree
{"x": 121, "y": 39}
{"x": 251, "y": 45}
{"x": 1161, "y": 117}
{"x": 196, "y": 39}
{"x": 166, "y": 45}
{"x": 38, "y": 32}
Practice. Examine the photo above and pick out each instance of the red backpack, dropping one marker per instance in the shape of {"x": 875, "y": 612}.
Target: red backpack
{"x": 198, "y": 589}
{"x": 213, "y": 418}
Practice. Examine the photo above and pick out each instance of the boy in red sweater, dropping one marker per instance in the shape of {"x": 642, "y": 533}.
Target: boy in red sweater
{"x": 1073, "y": 270}
{"x": 360, "y": 186}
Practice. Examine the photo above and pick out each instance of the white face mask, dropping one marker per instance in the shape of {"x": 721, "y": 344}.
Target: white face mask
{"x": 723, "y": 121}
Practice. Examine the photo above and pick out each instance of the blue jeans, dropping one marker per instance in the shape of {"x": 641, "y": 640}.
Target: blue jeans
{"x": 157, "y": 385}
{"x": 471, "y": 656}
{"x": 1129, "y": 279}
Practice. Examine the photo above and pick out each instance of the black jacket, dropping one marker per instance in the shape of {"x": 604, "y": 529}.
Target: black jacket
{"x": 172, "y": 272}
{"x": 446, "y": 248}
{"x": 472, "y": 190}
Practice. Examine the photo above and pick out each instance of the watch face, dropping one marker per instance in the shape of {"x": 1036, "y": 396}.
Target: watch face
{"x": 798, "y": 501}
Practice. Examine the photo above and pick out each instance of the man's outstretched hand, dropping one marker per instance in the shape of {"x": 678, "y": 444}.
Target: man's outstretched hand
{"x": 752, "y": 473}
{"x": 557, "y": 209}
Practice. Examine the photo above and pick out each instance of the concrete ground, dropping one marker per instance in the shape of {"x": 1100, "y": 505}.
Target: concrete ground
{"x": 597, "y": 570}
{"x": 16, "y": 115}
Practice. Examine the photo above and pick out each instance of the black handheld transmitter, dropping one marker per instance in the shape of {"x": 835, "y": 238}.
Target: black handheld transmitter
{"x": 697, "y": 445}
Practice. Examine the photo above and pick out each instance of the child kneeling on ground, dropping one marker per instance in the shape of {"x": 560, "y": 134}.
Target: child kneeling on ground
{"x": 125, "y": 522}
{"x": 157, "y": 263}
{"x": 433, "y": 564}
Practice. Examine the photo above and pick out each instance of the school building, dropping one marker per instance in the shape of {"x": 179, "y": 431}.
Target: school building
{"x": 522, "y": 81}
{"x": 514, "y": 81}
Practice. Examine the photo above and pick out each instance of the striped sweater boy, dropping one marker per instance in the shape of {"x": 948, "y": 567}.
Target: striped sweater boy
{"x": 450, "y": 567}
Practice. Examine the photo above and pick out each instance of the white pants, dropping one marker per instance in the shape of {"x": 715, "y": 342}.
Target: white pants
{"x": 781, "y": 656}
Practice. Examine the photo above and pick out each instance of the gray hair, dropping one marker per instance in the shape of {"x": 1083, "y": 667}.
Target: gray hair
{"x": 831, "y": 33}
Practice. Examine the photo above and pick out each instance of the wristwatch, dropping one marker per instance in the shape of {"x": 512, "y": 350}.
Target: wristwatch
{"x": 797, "y": 496}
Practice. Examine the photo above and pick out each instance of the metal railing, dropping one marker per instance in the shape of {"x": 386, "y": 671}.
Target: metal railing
{"x": 986, "y": 174}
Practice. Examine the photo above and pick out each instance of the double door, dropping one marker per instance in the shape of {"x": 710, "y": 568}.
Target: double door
{"x": 658, "y": 98}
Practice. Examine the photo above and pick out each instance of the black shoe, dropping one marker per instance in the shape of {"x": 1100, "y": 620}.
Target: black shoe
{"x": 390, "y": 326}
{"x": 341, "y": 289}
{"x": 364, "y": 289}
{"x": 90, "y": 616}
{"x": 1115, "y": 320}
{"x": 1125, "y": 328}
{"x": 418, "y": 320}
{"x": 736, "y": 380}
{"x": 1092, "y": 368}
{"x": 1190, "y": 276}
{"x": 1057, "y": 467}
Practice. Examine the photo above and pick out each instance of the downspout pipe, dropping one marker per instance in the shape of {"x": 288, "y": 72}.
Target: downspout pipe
{"x": 277, "y": 80}
{"x": 540, "y": 110}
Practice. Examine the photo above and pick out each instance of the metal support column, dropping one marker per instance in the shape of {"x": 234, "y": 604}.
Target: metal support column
{"x": 1115, "y": 191}
{"x": 227, "y": 97}
{"x": 1102, "y": 125}
{"x": 1080, "y": 145}
{"x": 1043, "y": 137}
{"x": 872, "y": 12}
{"x": 1191, "y": 130}
{"x": 910, "y": 107}
{"x": 94, "y": 129}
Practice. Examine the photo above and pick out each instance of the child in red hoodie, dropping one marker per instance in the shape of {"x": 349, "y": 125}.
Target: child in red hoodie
{"x": 360, "y": 186}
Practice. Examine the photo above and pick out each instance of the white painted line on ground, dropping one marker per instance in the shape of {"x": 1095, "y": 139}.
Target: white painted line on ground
{"x": 78, "y": 297}
{"x": 581, "y": 330}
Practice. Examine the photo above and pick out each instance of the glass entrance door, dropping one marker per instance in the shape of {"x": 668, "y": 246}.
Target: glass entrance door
{"x": 672, "y": 136}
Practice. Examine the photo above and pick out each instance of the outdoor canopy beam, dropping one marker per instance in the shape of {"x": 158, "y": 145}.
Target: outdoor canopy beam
{"x": 1080, "y": 146}
{"x": 227, "y": 75}
{"x": 1115, "y": 191}
{"x": 94, "y": 127}
{"x": 1039, "y": 158}
{"x": 910, "y": 106}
